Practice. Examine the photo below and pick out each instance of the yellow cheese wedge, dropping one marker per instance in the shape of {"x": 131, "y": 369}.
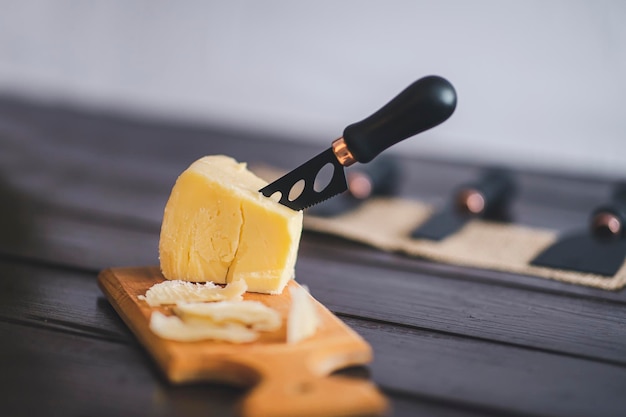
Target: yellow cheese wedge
{"x": 218, "y": 227}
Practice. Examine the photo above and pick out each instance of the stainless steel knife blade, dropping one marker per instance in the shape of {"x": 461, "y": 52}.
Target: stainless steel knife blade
{"x": 442, "y": 224}
{"x": 308, "y": 172}
{"x": 424, "y": 104}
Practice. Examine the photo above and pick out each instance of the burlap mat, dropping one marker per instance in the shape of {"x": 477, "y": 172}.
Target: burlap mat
{"x": 387, "y": 224}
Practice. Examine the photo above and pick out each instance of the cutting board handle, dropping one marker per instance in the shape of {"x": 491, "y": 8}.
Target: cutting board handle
{"x": 314, "y": 396}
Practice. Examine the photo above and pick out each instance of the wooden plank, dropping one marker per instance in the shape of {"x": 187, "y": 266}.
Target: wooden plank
{"x": 323, "y": 246}
{"x": 444, "y": 369}
{"x": 95, "y": 241}
{"x": 95, "y": 164}
{"x": 57, "y": 299}
{"x": 90, "y": 241}
{"x": 440, "y": 298}
{"x": 145, "y": 154}
{"x": 57, "y": 374}
{"x": 96, "y": 184}
{"x": 111, "y": 173}
{"x": 82, "y": 241}
{"x": 499, "y": 379}
{"x": 51, "y": 373}
{"x": 558, "y": 323}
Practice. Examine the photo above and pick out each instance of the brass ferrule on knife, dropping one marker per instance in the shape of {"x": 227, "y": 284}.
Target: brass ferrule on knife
{"x": 606, "y": 223}
{"x": 343, "y": 154}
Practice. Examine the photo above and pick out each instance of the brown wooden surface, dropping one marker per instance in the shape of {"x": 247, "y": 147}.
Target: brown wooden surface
{"x": 286, "y": 379}
{"x": 82, "y": 191}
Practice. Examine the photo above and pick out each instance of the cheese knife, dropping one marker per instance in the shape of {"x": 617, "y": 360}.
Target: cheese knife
{"x": 424, "y": 104}
{"x": 487, "y": 198}
{"x": 600, "y": 250}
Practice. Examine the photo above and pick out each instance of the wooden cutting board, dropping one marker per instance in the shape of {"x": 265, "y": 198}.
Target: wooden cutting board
{"x": 287, "y": 379}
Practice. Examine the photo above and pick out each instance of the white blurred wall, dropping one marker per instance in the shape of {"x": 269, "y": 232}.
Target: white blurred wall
{"x": 540, "y": 83}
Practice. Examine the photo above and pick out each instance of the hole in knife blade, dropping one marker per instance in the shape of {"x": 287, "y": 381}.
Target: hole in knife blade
{"x": 296, "y": 190}
{"x": 323, "y": 177}
{"x": 276, "y": 196}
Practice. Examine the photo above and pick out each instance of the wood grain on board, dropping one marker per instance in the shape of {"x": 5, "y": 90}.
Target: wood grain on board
{"x": 289, "y": 379}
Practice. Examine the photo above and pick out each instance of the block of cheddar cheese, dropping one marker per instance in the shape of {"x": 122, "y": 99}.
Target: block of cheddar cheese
{"x": 218, "y": 227}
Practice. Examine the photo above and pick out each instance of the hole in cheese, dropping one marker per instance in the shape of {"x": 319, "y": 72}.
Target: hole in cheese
{"x": 218, "y": 227}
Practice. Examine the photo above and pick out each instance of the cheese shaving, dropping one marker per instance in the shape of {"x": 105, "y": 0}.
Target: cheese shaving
{"x": 173, "y": 328}
{"x": 302, "y": 320}
{"x": 177, "y": 291}
{"x": 248, "y": 313}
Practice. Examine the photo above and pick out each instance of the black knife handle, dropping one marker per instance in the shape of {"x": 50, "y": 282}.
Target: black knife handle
{"x": 489, "y": 197}
{"x": 381, "y": 177}
{"x": 609, "y": 221}
{"x": 424, "y": 104}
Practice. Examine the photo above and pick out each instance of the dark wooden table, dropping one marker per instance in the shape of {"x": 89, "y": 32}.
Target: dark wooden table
{"x": 83, "y": 191}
